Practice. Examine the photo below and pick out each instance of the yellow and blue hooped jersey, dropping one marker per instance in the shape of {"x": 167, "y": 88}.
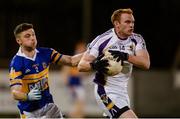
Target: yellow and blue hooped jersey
{"x": 33, "y": 72}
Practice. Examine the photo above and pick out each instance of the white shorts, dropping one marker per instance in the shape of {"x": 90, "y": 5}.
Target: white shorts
{"x": 48, "y": 111}
{"x": 112, "y": 103}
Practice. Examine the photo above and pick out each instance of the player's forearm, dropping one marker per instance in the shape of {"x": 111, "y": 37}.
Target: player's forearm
{"x": 65, "y": 60}
{"x": 18, "y": 95}
{"x": 139, "y": 61}
{"x": 70, "y": 60}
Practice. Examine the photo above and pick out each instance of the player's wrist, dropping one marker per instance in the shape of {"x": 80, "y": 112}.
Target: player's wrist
{"x": 29, "y": 98}
{"x": 92, "y": 65}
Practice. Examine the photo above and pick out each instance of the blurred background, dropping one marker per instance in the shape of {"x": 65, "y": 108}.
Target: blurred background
{"x": 60, "y": 24}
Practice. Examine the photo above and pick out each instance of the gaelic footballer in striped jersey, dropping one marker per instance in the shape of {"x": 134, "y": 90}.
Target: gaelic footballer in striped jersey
{"x": 29, "y": 74}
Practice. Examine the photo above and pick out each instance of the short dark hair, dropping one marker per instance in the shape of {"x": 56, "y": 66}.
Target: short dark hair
{"x": 22, "y": 27}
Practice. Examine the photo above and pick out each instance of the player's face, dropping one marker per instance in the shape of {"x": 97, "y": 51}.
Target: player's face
{"x": 27, "y": 39}
{"x": 126, "y": 25}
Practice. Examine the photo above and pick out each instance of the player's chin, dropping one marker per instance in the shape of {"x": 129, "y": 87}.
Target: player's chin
{"x": 33, "y": 46}
{"x": 130, "y": 32}
{"x": 30, "y": 48}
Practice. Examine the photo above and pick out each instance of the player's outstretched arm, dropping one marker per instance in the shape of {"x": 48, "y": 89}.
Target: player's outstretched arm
{"x": 76, "y": 59}
{"x": 70, "y": 60}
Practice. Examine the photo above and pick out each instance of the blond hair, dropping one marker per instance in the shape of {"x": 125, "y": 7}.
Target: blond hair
{"x": 117, "y": 14}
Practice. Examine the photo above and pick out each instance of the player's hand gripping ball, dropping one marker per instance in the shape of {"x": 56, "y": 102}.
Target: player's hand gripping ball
{"x": 114, "y": 66}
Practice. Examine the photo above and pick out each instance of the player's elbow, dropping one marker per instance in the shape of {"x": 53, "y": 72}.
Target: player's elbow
{"x": 19, "y": 95}
{"x": 146, "y": 66}
{"x": 16, "y": 97}
{"x": 14, "y": 94}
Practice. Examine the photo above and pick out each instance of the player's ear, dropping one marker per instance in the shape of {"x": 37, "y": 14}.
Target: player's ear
{"x": 18, "y": 41}
{"x": 116, "y": 23}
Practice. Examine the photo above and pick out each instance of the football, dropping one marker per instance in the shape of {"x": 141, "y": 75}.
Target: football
{"x": 114, "y": 67}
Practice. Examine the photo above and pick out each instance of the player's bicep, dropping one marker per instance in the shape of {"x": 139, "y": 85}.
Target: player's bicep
{"x": 144, "y": 56}
{"x": 143, "y": 53}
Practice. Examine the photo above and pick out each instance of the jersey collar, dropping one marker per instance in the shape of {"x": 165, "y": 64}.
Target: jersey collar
{"x": 20, "y": 53}
{"x": 118, "y": 39}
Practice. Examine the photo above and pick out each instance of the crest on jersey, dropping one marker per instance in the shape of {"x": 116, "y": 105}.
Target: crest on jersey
{"x": 44, "y": 65}
{"x": 36, "y": 67}
{"x": 27, "y": 70}
{"x": 132, "y": 46}
{"x": 113, "y": 47}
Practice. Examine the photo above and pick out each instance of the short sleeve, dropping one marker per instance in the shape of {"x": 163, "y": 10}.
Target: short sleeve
{"x": 55, "y": 56}
{"x": 140, "y": 43}
{"x": 15, "y": 73}
{"x": 93, "y": 47}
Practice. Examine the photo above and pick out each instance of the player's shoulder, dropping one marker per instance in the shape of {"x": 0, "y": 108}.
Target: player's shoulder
{"x": 136, "y": 37}
{"x": 16, "y": 61}
{"x": 45, "y": 50}
{"x": 105, "y": 35}
{"x": 102, "y": 37}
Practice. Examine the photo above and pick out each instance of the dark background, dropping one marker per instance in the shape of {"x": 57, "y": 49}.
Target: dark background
{"x": 59, "y": 24}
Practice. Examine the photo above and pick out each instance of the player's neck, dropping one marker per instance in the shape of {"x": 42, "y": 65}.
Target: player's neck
{"x": 120, "y": 35}
{"x": 28, "y": 52}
